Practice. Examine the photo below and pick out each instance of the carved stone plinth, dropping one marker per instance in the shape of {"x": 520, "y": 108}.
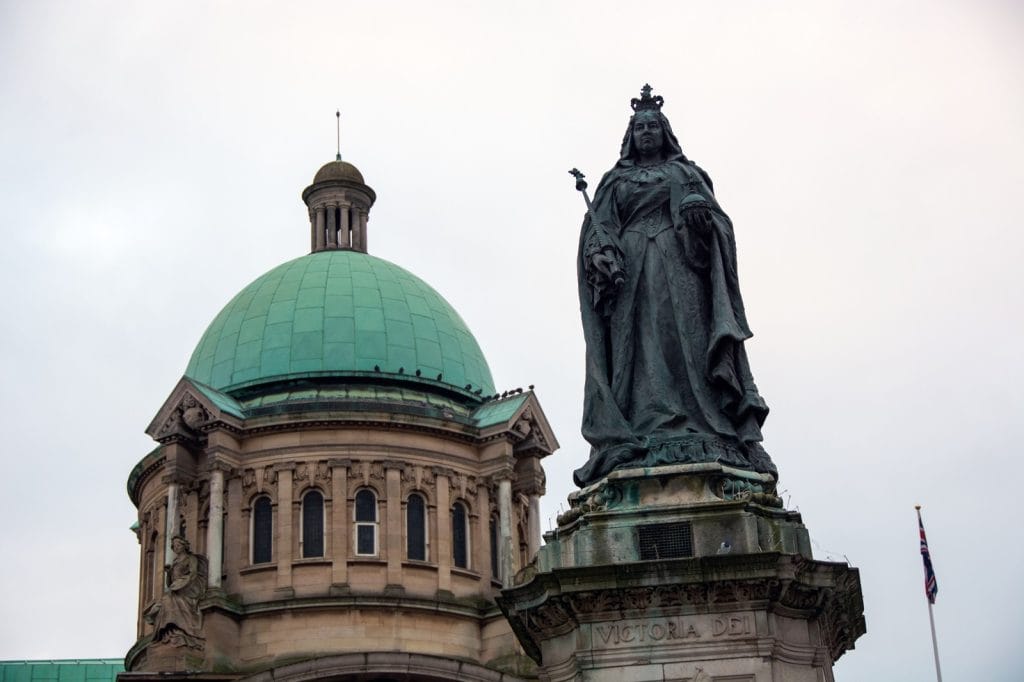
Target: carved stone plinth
{"x": 683, "y": 573}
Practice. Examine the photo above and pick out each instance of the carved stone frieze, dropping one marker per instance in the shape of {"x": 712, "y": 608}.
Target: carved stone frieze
{"x": 637, "y": 599}
{"x": 366, "y": 473}
{"x": 551, "y": 604}
{"x": 186, "y": 420}
{"x": 527, "y": 429}
{"x": 551, "y": 617}
{"x": 599, "y": 601}
{"x": 300, "y": 477}
{"x": 606, "y": 496}
{"x": 322, "y": 476}
{"x": 420, "y": 479}
{"x": 467, "y": 486}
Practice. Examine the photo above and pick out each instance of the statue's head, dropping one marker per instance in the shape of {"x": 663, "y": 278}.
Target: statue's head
{"x": 180, "y": 544}
{"x": 649, "y": 130}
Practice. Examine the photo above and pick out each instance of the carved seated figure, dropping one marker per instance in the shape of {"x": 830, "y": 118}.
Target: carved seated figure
{"x": 177, "y": 620}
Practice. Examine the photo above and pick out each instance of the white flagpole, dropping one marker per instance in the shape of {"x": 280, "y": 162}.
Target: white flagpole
{"x": 935, "y": 643}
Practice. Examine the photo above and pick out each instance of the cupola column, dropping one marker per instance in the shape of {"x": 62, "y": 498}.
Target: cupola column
{"x": 332, "y": 227}
{"x": 320, "y": 229}
{"x": 343, "y": 200}
{"x": 343, "y": 241}
{"x": 363, "y": 216}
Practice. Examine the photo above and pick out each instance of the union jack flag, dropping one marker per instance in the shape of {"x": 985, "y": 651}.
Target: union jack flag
{"x": 931, "y": 586}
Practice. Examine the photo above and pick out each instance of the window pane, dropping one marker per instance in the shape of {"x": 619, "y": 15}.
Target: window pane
{"x": 312, "y": 525}
{"x": 366, "y": 505}
{"x": 460, "y": 554}
{"x": 262, "y": 530}
{"x": 365, "y": 540}
{"x": 416, "y": 536}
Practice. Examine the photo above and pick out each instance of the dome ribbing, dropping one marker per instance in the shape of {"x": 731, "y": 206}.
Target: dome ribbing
{"x": 336, "y": 314}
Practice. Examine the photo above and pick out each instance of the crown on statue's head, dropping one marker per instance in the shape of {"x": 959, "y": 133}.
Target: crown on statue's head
{"x": 646, "y": 102}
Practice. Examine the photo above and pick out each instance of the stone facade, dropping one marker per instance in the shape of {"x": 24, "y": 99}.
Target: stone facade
{"x": 686, "y": 572}
{"x": 260, "y": 613}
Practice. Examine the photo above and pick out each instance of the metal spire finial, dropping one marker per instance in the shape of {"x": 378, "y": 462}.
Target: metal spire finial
{"x": 338, "y": 115}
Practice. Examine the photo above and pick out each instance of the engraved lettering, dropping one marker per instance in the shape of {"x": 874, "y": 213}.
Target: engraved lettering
{"x": 626, "y": 634}
{"x": 718, "y": 627}
{"x": 657, "y": 632}
{"x": 606, "y": 632}
{"x": 672, "y": 630}
{"x": 691, "y": 631}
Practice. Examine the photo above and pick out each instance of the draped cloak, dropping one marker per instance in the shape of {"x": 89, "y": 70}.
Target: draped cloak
{"x": 667, "y": 377}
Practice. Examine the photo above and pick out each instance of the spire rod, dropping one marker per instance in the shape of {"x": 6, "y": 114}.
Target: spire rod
{"x": 338, "y": 115}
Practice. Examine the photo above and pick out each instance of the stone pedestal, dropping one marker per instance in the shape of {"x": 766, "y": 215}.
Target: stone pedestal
{"x": 691, "y": 572}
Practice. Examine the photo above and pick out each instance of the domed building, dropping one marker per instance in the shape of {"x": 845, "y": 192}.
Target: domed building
{"x": 337, "y": 491}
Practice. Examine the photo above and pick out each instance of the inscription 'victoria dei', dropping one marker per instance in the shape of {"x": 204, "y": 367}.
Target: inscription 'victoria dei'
{"x": 618, "y": 634}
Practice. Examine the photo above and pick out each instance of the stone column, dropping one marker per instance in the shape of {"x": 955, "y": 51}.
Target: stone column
{"x": 482, "y": 540}
{"x": 393, "y": 521}
{"x": 444, "y": 530}
{"x": 236, "y": 529}
{"x": 343, "y": 239}
{"x": 332, "y": 227}
{"x": 215, "y": 527}
{"x": 321, "y": 228}
{"x": 533, "y": 542}
{"x": 357, "y": 238}
{"x": 505, "y": 530}
{"x": 284, "y": 527}
{"x": 340, "y": 522}
{"x": 362, "y": 229}
{"x": 172, "y": 521}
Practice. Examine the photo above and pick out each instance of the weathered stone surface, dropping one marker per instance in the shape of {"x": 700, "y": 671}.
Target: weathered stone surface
{"x": 738, "y": 614}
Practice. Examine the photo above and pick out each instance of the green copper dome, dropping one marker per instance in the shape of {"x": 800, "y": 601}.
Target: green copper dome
{"x": 335, "y": 314}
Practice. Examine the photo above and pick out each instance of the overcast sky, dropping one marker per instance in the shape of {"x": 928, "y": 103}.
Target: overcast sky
{"x": 151, "y": 161}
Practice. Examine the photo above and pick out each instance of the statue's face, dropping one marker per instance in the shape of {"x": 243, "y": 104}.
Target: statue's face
{"x": 177, "y": 546}
{"x": 648, "y": 135}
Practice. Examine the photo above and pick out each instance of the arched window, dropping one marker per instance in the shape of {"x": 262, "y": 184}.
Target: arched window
{"x": 311, "y": 538}
{"x": 262, "y": 531}
{"x": 460, "y": 535}
{"x": 495, "y": 549}
{"x": 366, "y": 523}
{"x": 416, "y": 528}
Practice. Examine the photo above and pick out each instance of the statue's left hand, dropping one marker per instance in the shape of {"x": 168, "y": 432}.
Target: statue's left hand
{"x": 699, "y": 219}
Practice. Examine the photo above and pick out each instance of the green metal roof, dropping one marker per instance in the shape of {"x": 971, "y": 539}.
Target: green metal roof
{"x": 498, "y": 412}
{"x": 337, "y": 313}
{"x": 65, "y": 670}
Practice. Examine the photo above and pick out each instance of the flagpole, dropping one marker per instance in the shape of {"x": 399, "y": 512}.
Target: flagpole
{"x": 935, "y": 644}
{"x": 930, "y": 594}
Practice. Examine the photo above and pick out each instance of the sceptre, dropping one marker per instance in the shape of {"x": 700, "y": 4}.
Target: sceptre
{"x": 616, "y": 273}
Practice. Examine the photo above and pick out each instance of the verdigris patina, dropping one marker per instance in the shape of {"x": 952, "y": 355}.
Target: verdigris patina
{"x": 667, "y": 377}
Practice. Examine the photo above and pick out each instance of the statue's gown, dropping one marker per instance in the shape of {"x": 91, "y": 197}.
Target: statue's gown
{"x": 667, "y": 376}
